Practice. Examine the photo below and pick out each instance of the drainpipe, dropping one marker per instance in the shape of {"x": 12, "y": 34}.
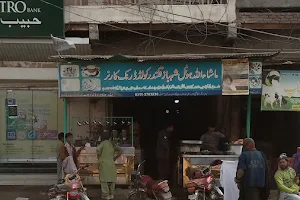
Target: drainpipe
{"x": 65, "y": 118}
{"x": 249, "y": 116}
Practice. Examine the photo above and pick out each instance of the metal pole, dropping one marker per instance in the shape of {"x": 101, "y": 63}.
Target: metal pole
{"x": 65, "y": 118}
{"x": 249, "y": 116}
{"x": 132, "y": 127}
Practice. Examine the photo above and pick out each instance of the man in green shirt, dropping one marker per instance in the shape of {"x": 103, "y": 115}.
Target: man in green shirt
{"x": 285, "y": 178}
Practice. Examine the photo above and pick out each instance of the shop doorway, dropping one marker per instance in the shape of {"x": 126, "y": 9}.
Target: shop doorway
{"x": 190, "y": 116}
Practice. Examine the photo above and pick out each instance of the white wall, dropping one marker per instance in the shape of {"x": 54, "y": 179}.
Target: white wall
{"x": 17, "y": 73}
{"x": 151, "y": 13}
{"x": 81, "y": 109}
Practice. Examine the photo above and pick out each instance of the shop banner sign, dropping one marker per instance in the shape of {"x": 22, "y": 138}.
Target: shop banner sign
{"x": 31, "y": 18}
{"x": 130, "y": 79}
{"x": 235, "y": 77}
{"x": 281, "y": 90}
{"x": 255, "y": 77}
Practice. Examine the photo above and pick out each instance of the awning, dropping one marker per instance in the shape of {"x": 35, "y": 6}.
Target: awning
{"x": 165, "y": 57}
{"x": 38, "y": 50}
{"x": 28, "y": 85}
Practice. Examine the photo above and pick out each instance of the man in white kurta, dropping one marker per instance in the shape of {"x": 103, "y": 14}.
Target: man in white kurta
{"x": 228, "y": 173}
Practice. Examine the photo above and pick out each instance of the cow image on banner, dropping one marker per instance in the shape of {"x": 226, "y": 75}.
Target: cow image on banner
{"x": 280, "y": 90}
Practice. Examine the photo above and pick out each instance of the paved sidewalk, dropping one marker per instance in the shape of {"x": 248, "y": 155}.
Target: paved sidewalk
{"x": 40, "y": 193}
{"x": 94, "y": 192}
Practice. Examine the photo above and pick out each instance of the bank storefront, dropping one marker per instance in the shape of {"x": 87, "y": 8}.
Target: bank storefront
{"x": 30, "y": 122}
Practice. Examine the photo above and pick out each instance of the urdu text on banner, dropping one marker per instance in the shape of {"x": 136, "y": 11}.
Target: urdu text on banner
{"x": 132, "y": 79}
{"x": 31, "y": 18}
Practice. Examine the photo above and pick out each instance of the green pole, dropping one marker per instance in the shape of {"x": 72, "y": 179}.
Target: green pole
{"x": 65, "y": 118}
{"x": 132, "y": 127}
{"x": 249, "y": 116}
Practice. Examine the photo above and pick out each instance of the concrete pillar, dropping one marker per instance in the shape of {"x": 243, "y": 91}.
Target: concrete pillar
{"x": 231, "y": 17}
{"x": 235, "y": 118}
{"x": 93, "y": 32}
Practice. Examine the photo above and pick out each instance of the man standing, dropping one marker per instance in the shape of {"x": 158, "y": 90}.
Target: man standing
{"x": 69, "y": 155}
{"x": 163, "y": 151}
{"x": 211, "y": 139}
{"x": 60, "y": 144}
{"x": 285, "y": 178}
{"x": 252, "y": 173}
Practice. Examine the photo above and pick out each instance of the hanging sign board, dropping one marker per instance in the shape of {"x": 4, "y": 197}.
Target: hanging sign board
{"x": 235, "y": 77}
{"x": 255, "y": 77}
{"x": 281, "y": 90}
{"x": 31, "y": 18}
{"x": 133, "y": 79}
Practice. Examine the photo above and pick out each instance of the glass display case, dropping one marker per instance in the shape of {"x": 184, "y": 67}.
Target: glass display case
{"x": 124, "y": 164}
{"x": 87, "y": 132}
{"x": 191, "y": 159}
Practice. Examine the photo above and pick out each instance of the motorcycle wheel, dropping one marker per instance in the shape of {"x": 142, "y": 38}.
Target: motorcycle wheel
{"x": 84, "y": 197}
{"x": 201, "y": 197}
{"x": 138, "y": 196}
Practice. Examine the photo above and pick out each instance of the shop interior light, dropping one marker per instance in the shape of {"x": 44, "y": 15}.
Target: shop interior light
{"x": 167, "y": 111}
{"x": 176, "y": 101}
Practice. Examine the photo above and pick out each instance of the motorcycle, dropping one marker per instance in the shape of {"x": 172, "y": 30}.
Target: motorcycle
{"x": 144, "y": 187}
{"x": 203, "y": 186}
{"x": 70, "y": 188}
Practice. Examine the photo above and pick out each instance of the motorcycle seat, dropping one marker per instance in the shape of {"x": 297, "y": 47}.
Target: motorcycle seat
{"x": 157, "y": 184}
{"x": 145, "y": 179}
{"x": 151, "y": 184}
{"x": 196, "y": 182}
{"x": 64, "y": 187}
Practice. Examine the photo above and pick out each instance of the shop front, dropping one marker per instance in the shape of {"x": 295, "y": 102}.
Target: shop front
{"x": 30, "y": 119}
{"x": 30, "y": 135}
{"x": 149, "y": 91}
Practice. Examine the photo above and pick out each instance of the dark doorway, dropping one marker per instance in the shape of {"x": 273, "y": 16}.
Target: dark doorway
{"x": 190, "y": 116}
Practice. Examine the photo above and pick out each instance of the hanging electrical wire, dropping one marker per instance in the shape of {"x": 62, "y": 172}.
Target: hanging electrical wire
{"x": 178, "y": 41}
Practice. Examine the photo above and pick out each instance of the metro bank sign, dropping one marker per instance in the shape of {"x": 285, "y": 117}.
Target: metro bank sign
{"x": 31, "y": 19}
{"x": 16, "y": 7}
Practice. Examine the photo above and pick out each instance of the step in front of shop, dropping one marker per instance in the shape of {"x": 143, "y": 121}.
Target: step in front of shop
{"x": 28, "y": 168}
{"x": 28, "y": 179}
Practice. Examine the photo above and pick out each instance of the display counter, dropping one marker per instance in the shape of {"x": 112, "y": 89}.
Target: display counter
{"x": 124, "y": 164}
{"x": 191, "y": 160}
{"x": 187, "y": 164}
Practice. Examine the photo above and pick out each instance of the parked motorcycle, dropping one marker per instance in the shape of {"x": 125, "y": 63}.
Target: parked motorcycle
{"x": 70, "y": 188}
{"x": 203, "y": 186}
{"x": 144, "y": 187}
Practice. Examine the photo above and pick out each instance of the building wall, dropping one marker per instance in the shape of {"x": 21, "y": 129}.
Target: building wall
{"x": 85, "y": 109}
{"x": 150, "y": 13}
{"x": 267, "y": 3}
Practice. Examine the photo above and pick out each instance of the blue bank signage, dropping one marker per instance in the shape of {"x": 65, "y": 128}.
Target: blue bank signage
{"x": 133, "y": 79}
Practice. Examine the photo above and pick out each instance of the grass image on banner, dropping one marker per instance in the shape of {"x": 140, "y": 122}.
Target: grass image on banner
{"x": 280, "y": 90}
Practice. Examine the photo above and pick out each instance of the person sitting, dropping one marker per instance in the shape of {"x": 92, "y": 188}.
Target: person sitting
{"x": 60, "y": 145}
{"x": 69, "y": 155}
{"x": 285, "y": 178}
